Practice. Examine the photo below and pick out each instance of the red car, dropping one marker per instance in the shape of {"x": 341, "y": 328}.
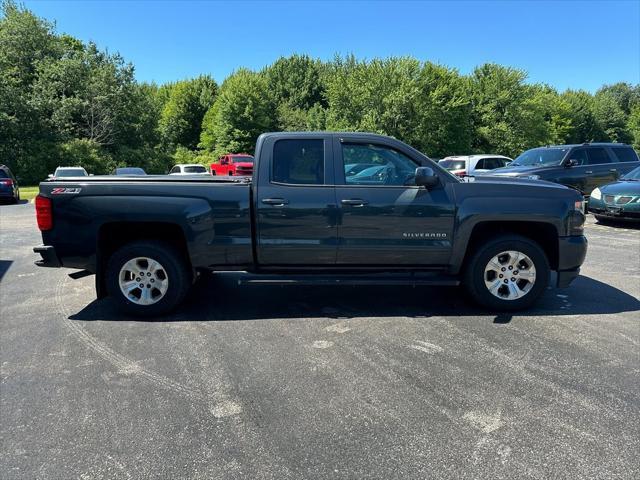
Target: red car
{"x": 233, "y": 164}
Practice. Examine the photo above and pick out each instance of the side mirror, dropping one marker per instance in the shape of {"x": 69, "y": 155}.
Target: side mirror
{"x": 50, "y": 175}
{"x": 425, "y": 177}
{"x": 572, "y": 163}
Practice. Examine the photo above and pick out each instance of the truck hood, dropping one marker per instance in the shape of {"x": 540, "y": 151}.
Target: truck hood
{"x": 513, "y": 171}
{"x": 513, "y": 180}
{"x": 623, "y": 187}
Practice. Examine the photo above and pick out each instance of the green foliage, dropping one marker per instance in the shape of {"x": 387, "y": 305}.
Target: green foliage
{"x": 634, "y": 125}
{"x": 507, "y": 118}
{"x": 66, "y": 102}
{"x": 88, "y": 154}
{"x": 610, "y": 116}
{"x": 182, "y": 113}
{"x": 242, "y": 111}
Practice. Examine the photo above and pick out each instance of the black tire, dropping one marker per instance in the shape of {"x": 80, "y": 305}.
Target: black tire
{"x": 474, "y": 275}
{"x": 177, "y": 273}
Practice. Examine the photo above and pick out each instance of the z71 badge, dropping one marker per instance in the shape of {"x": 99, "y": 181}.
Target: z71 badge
{"x": 62, "y": 191}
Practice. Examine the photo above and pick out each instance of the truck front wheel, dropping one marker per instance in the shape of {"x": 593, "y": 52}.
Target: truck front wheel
{"x": 147, "y": 278}
{"x": 509, "y": 272}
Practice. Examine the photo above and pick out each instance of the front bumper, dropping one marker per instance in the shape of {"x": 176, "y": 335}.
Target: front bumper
{"x": 630, "y": 210}
{"x": 49, "y": 256}
{"x": 571, "y": 254}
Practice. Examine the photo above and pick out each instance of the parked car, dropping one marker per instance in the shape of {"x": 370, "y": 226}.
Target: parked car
{"x": 355, "y": 168}
{"x": 189, "y": 169}
{"x": 618, "y": 200}
{"x": 62, "y": 172}
{"x": 233, "y": 164}
{"x": 300, "y": 220}
{"x": 582, "y": 167}
{"x": 9, "y": 189}
{"x": 128, "y": 171}
{"x": 467, "y": 165}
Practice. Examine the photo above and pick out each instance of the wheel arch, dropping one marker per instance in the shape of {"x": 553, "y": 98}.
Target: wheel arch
{"x": 114, "y": 235}
{"x": 543, "y": 233}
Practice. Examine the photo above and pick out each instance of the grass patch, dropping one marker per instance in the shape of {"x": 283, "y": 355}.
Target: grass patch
{"x": 29, "y": 193}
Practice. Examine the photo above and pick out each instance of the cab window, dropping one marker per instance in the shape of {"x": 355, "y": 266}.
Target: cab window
{"x": 579, "y": 155}
{"x": 624, "y": 154}
{"x": 298, "y": 162}
{"x": 376, "y": 165}
{"x": 598, "y": 155}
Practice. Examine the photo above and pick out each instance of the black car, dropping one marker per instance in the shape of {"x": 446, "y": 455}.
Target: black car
{"x": 9, "y": 189}
{"x": 583, "y": 167}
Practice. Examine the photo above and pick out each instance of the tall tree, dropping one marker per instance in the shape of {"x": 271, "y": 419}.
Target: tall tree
{"x": 243, "y": 110}
{"x": 506, "y": 117}
{"x": 181, "y": 119}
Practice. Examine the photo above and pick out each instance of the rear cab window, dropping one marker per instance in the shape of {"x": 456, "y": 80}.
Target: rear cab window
{"x": 195, "y": 169}
{"x": 298, "y": 162}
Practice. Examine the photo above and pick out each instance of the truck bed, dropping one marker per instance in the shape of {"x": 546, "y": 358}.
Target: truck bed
{"x": 212, "y": 214}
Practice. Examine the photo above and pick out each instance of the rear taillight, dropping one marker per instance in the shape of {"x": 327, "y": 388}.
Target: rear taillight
{"x": 6, "y": 181}
{"x": 44, "y": 213}
{"x": 461, "y": 173}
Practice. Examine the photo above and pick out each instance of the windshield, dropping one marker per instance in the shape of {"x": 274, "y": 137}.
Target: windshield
{"x": 369, "y": 172}
{"x": 195, "y": 169}
{"x": 353, "y": 168}
{"x": 453, "y": 164}
{"x": 540, "y": 157}
{"x": 70, "y": 172}
{"x": 633, "y": 175}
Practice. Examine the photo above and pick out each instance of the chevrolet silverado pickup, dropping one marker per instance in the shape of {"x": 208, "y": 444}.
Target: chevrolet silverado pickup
{"x": 303, "y": 218}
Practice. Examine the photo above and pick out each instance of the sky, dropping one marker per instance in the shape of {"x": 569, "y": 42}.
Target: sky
{"x": 566, "y": 44}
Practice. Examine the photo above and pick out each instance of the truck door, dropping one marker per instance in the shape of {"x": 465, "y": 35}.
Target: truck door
{"x": 384, "y": 218}
{"x": 296, "y": 204}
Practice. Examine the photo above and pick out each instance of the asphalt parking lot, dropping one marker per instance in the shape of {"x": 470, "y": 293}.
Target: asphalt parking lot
{"x": 306, "y": 382}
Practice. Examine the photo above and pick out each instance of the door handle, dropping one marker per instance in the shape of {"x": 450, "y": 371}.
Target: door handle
{"x": 588, "y": 172}
{"x": 278, "y": 202}
{"x": 614, "y": 170}
{"x": 354, "y": 202}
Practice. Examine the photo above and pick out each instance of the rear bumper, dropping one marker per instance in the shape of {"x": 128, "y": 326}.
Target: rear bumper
{"x": 49, "y": 256}
{"x": 571, "y": 254}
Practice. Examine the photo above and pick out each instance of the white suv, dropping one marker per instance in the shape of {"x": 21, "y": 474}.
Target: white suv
{"x": 189, "y": 169}
{"x": 464, "y": 165}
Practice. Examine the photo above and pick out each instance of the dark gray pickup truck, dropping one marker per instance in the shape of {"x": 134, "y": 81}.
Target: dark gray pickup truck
{"x": 321, "y": 208}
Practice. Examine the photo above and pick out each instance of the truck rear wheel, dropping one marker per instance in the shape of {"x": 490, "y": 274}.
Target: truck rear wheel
{"x": 509, "y": 272}
{"x": 147, "y": 278}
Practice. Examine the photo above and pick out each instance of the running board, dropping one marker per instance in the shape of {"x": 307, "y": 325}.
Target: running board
{"x": 336, "y": 280}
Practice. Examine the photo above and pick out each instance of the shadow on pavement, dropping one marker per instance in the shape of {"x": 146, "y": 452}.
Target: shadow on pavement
{"x": 628, "y": 224}
{"x": 4, "y": 267}
{"x": 219, "y": 298}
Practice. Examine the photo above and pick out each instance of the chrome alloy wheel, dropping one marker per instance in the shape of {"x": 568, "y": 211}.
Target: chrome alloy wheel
{"x": 143, "y": 281}
{"x": 510, "y": 275}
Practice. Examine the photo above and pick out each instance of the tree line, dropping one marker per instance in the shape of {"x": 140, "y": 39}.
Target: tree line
{"x": 66, "y": 102}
